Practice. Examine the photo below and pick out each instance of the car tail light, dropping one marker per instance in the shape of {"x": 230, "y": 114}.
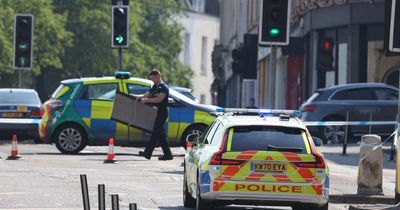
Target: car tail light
{"x": 319, "y": 162}
{"x": 216, "y": 159}
{"x": 55, "y": 104}
{"x": 36, "y": 113}
{"x": 309, "y": 108}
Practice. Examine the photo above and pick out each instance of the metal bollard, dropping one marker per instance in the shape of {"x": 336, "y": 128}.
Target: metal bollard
{"x": 369, "y": 179}
{"x": 102, "y": 197}
{"x": 132, "y": 206}
{"x": 85, "y": 192}
{"x": 114, "y": 202}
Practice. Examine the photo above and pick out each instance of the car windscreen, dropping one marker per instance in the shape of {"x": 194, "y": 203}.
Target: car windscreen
{"x": 17, "y": 97}
{"x": 313, "y": 97}
{"x": 268, "y": 138}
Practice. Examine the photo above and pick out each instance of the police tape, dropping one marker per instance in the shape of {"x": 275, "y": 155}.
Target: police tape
{"x": 357, "y": 123}
{"x": 19, "y": 121}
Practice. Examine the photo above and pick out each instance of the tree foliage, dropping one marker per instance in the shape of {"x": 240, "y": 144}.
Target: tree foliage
{"x": 72, "y": 38}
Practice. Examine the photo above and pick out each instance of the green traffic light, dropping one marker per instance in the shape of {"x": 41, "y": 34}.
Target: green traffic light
{"x": 119, "y": 39}
{"x": 23, "y": 46}
{"x": 22, "y": 61}
{"x": 274, "y": 32}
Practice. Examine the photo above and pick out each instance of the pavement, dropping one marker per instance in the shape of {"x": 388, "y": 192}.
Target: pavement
{"x": 344, "y": 172}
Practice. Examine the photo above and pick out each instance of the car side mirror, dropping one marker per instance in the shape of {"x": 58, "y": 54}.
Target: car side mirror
{"x": 317, "y": 141}
{"x": 193, "y": 139}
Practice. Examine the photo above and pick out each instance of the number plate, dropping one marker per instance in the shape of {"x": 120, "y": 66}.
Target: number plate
{"x": 22, "y": 109}
{"x": 269, "y": 167}
{"x": 12, "y": 115}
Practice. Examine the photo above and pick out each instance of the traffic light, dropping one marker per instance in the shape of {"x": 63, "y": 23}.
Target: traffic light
{"x": 274, "y": 25}
{"x": 245, "y": 58}
{"x": 23, "y": 32}
{"x": 326, "y": 59}
{"x": 120, "y": 27}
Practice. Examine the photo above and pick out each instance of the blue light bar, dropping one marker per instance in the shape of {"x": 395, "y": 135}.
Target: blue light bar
{"x": 295, "y": 113}
{"x": 122, "y": 74}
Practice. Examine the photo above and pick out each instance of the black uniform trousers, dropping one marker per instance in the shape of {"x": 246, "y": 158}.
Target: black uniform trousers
{"x": 159, "y": 135}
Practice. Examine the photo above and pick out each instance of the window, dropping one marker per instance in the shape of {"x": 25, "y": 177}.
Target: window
{"x": 101, "y": 91}
{"x": 202, "y": 99}
{"x": 211, "y": 133}
{"x": 138, "y": 89}
{"x": 204, "y": 56}
{"x": 186, "y": 58}
{"x": 355, "y": 94}
{"x": 216, "y": 140}
{"x": 267, "y": 138}
{"x": 386, "y": 94}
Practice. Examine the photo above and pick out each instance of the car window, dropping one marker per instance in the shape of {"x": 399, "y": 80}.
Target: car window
{"x": 260, "y": 137}
{"x": 138, "y": 89}
{"x": 217, "y": 138}
{"x": 101, "y": 91}
{"x": 354, "y": 94}
{"x": 386, "y": 94}
{"x": 211, "y": 133}
{"x": 60, "y": 91}
{"x": 17, "y": 97}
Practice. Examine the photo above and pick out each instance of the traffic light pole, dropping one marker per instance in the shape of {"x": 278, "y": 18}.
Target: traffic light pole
{"x": 272, "y": 67}
{"x": 21, "y": 78}
{"x": 119, "y": 65}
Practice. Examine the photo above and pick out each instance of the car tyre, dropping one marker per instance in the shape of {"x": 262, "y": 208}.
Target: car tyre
{"x": 333, "y": 134}
{"x": 199, "y": 128}
{"x": 188, "y": 200}
{"x": 70, "y": 139}
{"x": 200, "y": 203}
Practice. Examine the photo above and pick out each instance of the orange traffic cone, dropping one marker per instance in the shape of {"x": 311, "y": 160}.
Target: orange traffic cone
{"x": 111, "y": 155}
{"x": 14, "y": 149}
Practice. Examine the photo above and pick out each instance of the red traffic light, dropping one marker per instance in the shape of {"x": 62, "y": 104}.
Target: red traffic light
{"x": 327, "y": 45}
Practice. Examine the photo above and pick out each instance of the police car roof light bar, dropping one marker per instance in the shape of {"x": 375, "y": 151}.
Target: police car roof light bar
{"x": 122, "y": 74}
{"x": 294, "y": 113}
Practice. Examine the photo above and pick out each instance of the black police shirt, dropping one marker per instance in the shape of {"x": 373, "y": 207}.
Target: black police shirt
{"x": 155, "y": 90}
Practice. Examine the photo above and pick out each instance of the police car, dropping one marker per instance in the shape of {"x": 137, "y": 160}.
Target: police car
{"x": 263, "y": 159}
{"x": 79, "y": 111}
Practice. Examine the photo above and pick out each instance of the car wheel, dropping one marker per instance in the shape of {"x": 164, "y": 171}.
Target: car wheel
{"x": 188, "y": 200}
{"x": 199, "y": 129}
{"x": 333, "y": 134}
{"x": 200, "y": 203}
{"x": 70, "y": 139}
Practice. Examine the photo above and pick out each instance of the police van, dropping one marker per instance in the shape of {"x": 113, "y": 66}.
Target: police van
{"x": 263, "y": 157}
{"x": 78, "y": 114}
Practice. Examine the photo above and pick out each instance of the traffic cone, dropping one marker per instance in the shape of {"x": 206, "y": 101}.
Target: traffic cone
{"x": 14, "y": 149}
{"x": 110, "y": 155}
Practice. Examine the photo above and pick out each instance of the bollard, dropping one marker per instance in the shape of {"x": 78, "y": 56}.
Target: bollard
{"x": 85, "y": 192}
{"x": 114, "y": 202}
{"x": 132, "y": 206}
{"x": 102, "y": 199}
{"x": 369, "y": 179}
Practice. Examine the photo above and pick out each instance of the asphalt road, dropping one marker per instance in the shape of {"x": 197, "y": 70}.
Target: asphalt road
{"x": 45, "y": 179}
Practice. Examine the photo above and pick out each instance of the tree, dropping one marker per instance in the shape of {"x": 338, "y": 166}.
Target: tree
{"x": 154, "y": 40}
{"x": 50, "y": 39}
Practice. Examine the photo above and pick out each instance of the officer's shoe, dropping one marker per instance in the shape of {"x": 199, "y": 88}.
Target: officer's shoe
{"x": 165, "y": 157}
{"x": 143, "y": 154}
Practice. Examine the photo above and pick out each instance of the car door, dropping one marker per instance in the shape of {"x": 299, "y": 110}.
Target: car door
{"x": 196, "y": 152}
{"x": 136, "y": 134}
{"x": 97, "y": 102}
{"x": 386, "y": 108}
{"x": 360, "y": 103}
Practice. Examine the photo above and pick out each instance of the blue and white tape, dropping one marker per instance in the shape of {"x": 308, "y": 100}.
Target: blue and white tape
{"x": 19, "y": 121}
{"x": 356, "y": 123}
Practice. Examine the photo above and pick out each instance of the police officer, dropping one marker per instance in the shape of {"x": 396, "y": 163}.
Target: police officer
{"x": 157, "y": 96}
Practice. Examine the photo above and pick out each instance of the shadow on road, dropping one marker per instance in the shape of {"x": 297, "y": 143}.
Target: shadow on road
{"x": 227, "y": 208}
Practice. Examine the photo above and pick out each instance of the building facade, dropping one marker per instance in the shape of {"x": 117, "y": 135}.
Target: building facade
{"x": 200, "y": 33}
{"x": 354, "y": 28}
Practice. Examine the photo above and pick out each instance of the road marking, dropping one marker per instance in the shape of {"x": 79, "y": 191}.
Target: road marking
{"x": 13, "y": 193}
